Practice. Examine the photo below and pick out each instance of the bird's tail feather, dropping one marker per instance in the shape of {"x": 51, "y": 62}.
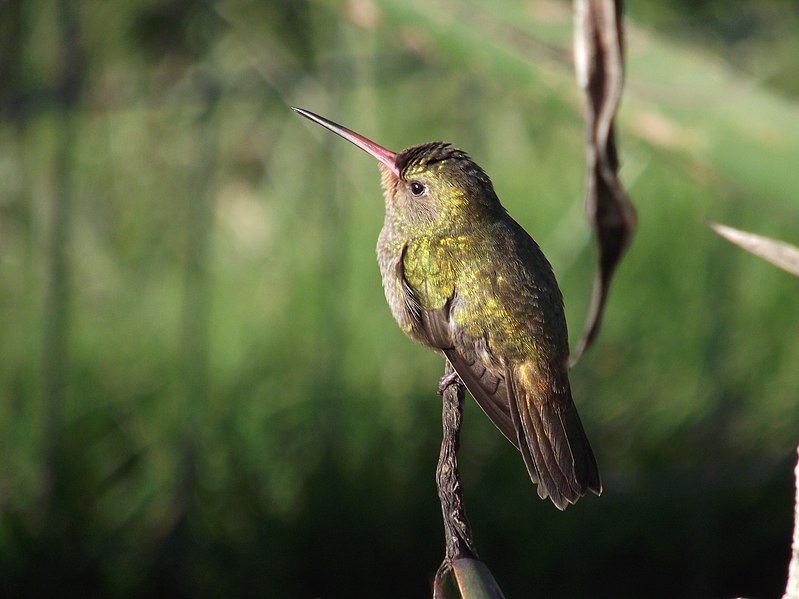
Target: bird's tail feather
{"x": 553, "y": 443}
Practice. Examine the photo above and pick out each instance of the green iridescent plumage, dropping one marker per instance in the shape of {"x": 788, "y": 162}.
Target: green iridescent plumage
{"x": 462, "y": 277}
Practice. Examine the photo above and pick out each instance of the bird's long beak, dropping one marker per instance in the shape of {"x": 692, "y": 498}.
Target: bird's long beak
{"x": 385, "y": 156}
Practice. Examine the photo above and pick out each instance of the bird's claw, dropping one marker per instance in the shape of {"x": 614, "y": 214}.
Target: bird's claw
{"x": 448, "y": 379}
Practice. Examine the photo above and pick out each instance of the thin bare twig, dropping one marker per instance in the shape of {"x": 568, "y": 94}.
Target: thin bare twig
{"x": 792, "y": 587}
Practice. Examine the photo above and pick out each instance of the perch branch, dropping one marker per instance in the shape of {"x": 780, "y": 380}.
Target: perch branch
{"x": 461, "y": 574}
{"x": 457, "y": 532}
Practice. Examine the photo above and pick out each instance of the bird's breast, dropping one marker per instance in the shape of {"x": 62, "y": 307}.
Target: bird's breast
{"x": 432, "y": 267}
{"x": 390, "y": 253}
{"x": 419, "y": 274}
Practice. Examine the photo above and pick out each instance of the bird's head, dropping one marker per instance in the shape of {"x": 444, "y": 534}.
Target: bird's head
{"x": 431, "y": 185}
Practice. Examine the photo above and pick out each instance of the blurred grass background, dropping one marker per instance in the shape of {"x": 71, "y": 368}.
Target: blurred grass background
{"x": 202, "y": 392}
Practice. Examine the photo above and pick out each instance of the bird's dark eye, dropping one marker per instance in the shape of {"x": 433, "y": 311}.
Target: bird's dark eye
{"x": 417, "y": 188}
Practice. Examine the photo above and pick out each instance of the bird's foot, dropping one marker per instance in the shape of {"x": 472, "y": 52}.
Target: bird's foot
{"x": 448, "y": 379}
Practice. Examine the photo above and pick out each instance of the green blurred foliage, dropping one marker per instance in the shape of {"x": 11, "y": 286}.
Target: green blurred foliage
{"x": 231, "y": 411}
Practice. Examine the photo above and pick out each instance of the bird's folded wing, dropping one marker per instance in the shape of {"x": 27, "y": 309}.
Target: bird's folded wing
{"x": 544, "y": 426}
{"x": 488, "y": 390}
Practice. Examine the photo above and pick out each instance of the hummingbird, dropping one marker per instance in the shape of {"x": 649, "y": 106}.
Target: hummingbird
{"x": 466, "y": 280}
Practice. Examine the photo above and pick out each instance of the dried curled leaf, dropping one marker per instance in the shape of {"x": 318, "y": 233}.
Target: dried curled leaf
{"x": 599, "y": 66}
